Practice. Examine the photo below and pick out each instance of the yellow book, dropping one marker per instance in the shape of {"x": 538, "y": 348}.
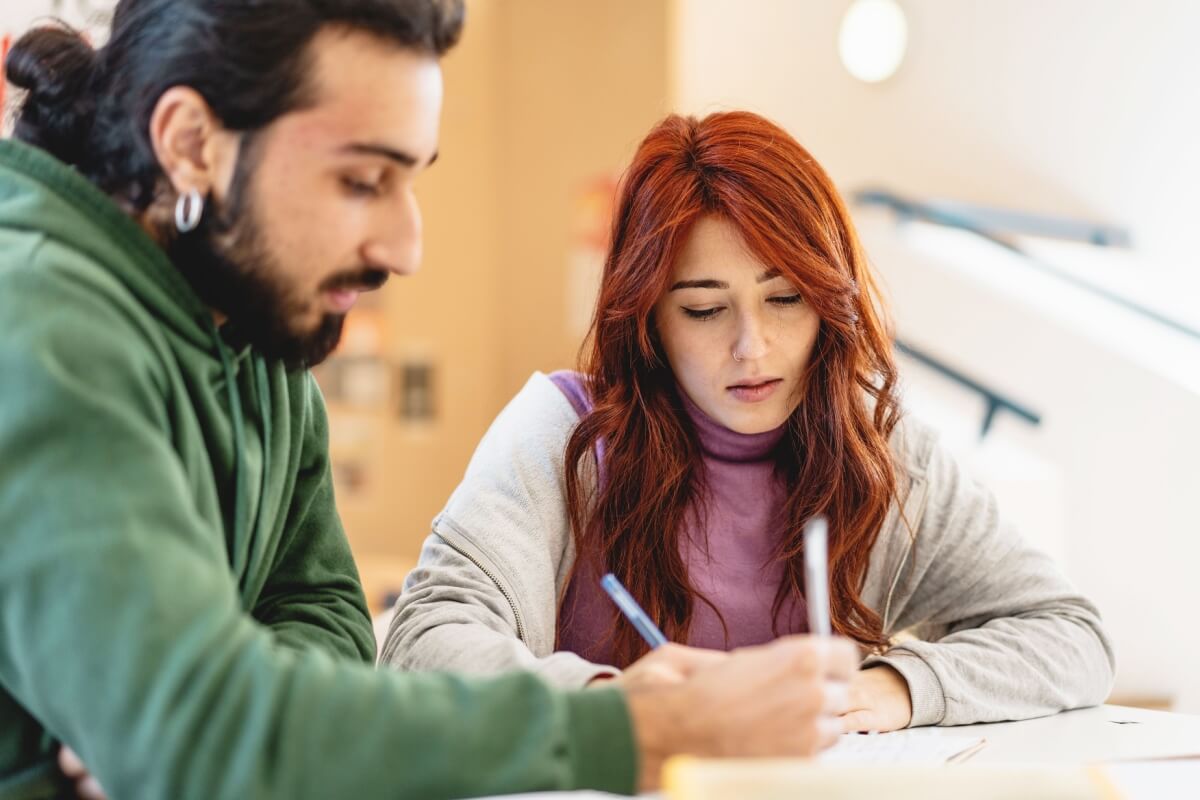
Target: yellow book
{"x": 688, "y": 778}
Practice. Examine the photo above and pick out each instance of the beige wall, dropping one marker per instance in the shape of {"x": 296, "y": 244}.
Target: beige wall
{"x": 582, "y": 84}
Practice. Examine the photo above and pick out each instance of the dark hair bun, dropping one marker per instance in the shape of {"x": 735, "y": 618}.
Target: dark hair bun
{"x": 55, "y": 65}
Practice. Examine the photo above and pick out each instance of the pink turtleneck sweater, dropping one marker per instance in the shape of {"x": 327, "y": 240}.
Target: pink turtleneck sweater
{"x": 729, "y": 560}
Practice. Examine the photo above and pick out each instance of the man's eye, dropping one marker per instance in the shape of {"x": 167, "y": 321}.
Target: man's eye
{"x": 360, "y": 188}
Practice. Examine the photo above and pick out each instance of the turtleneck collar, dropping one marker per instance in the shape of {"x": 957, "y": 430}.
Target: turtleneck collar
{"x": 724, "y": 444}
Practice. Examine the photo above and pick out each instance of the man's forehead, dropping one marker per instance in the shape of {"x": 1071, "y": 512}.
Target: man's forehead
{"x": 353, "y": 64}
{"x": 365, "y": 89}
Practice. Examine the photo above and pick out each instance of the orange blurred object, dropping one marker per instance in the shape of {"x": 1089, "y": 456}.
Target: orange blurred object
{"x": 5, "y": 43}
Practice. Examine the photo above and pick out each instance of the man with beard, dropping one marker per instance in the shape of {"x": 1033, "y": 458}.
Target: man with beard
{"x": 186, "y": 218}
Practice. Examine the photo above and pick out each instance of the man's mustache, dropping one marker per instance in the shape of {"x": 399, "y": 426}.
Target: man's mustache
{"x": 365, "y": 280}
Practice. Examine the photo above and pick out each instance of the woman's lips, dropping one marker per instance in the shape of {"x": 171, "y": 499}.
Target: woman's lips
{"x": 755, "y": 391}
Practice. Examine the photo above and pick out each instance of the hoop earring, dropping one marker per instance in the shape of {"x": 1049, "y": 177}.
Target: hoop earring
{"x": 188, "y": 210}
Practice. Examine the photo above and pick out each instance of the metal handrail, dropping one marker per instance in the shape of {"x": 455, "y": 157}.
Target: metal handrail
{"x": 996, "y": 401}
{"x": 993, "y": 224}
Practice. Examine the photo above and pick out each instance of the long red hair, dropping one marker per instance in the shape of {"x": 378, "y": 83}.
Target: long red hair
{"x": 835, "y": 459}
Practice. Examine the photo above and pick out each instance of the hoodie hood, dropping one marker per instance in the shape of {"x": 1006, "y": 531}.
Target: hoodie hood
{"x": 40, "y": 193}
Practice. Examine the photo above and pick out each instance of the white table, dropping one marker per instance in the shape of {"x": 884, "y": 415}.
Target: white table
{"x": 1090, "y": 735}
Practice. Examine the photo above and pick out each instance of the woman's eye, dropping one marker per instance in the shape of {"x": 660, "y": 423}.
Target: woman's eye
{"x": 702, "y": 313}
{"x": 788, "y": 300}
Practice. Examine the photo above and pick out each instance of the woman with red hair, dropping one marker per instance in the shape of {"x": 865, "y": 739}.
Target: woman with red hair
{"x": 739, "y": 381}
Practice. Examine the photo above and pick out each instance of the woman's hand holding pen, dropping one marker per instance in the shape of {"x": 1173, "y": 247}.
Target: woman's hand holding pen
{"x": 879, "y": 701}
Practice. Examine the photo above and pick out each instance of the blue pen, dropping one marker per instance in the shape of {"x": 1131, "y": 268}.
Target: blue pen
{"x": 630, "y": 608}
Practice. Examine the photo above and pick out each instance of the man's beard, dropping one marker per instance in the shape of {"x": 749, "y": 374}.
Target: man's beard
{"x": 228, "y": 264}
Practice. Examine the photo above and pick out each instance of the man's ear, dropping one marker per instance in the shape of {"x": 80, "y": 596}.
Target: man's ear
{"x": 193, "y": 148}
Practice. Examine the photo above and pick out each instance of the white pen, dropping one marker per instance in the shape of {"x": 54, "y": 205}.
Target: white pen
{"x": 816, "y": 576}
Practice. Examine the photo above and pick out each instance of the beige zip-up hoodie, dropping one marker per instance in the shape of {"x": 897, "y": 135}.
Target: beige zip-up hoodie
{"x": 997, "y": 632}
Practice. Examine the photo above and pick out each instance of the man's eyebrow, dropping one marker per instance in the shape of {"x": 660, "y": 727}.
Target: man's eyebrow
{"x": 401, "y": 157}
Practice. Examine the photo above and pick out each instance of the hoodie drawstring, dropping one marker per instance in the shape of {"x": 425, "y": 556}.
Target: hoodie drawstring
{"x": 264, "y": 387}
{"x": 241, "y": 541}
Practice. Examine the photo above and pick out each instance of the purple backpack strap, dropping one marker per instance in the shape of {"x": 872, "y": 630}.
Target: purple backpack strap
{"x": 574, "y": 386}
{"x": 571, "y": 384}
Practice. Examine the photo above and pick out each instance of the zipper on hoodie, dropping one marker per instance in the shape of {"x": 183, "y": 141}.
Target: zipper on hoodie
{"x": 507, "y": 596}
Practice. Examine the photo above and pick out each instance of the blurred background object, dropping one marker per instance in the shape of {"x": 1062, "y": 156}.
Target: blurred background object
{"x": 1024, "y": 175}
{"x": 872, "y": 39}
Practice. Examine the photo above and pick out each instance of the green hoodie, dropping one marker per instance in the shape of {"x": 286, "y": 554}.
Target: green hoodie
{"x": 178, "y": 603}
